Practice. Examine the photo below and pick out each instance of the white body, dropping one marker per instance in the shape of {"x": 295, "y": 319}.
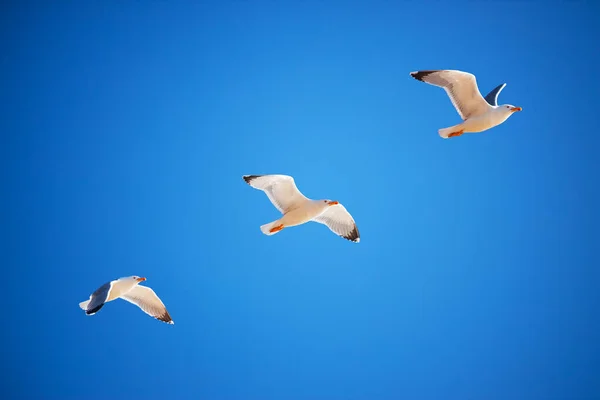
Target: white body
{"x": 120, "y": 287}
{"x": 479, "y": 123}
{"x": 305, "y": 212}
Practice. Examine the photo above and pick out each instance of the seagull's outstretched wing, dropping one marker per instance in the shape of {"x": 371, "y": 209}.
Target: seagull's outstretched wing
{"x": 339, "y": 220}
{"x": 97, "y": 299}
{"x": 148, "y": 301}
{"x": 492, "y": 97}
{"x": 460, "y": 86}
{"x": 281, "y": 190}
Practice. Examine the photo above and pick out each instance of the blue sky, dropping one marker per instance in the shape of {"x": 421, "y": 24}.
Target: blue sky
{"x": 126, "y": 128}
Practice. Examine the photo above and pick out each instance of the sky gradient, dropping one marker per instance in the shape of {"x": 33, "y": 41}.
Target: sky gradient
{"x": 127, "y": 127}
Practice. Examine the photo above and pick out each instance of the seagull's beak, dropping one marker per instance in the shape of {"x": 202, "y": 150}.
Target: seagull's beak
{"x": 140, "y": 279}
{"x": 333, "y": 203}
{"x": 515, "y": 109}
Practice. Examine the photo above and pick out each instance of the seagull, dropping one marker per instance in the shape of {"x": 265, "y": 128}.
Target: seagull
{"x": 127, "y": 288}
{"x": 478, "y": 114}
{"x": 298, "y": 209}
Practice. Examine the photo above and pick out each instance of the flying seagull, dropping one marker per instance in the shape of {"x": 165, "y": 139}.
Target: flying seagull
{"x": 298, "y": 209}
{"x": 478, "y": 114}
{"x": 127, "y": 289}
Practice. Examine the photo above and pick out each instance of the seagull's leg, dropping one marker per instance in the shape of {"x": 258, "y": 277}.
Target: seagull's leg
{"x": 276, "y": 228}
{"x": 453, "y": 134}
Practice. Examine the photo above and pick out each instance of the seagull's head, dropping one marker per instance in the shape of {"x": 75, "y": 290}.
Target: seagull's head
{"x": 137, "y": 279}
{"x": 330, "y": 202}
{"x": 508, "y": 108}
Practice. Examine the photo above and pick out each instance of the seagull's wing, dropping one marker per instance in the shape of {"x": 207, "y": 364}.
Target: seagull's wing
{"x": 460, "y": 86}
{"x": 148, "y": 301}
{"x": 339, "y": 220}
{"x": 97, "y": 299}
{"x": 492, "y": 97}
{"x": 281, "y": 190}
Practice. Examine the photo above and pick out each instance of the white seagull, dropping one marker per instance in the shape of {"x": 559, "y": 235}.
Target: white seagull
{"x": 128, "y": 289}
{"x": 298, "y": 209}
{"x": 478, "y": 114}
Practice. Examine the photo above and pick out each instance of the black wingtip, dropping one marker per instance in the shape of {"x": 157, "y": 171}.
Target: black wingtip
{"x": 94, "y": 310}
{"x": 353, "y": 236}
{"x": 419, "y": 75}
{"x": 250, "y": 178}
{"x": 166, "y": 317}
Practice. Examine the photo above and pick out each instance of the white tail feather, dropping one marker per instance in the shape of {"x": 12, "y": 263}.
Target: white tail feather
{"x": 266, "y": 228}
{"x": 84, "y": 305}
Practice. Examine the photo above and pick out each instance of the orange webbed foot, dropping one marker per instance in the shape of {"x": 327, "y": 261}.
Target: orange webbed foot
{"x": 276, "y": 228}
{"x": 454, "y": 134}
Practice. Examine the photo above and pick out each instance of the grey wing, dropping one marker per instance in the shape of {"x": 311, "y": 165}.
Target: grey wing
{"x": 148, "y": 301}
{"x": 280, "y": 189}
{"x": 340, "y": 222}
{"x": 492, "y": 97}
{"x": 460, "y": 86}
{"x": 97, "y": 299}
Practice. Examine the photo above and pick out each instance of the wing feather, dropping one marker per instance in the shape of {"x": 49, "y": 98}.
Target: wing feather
{"x": 280, "y": 189}
{"x": 98, "y": 298}
{"x": 460, "y": 86}
{"x": 340, "y": 222}
{"x": 145, "y": 298}
{"x": 492, "y": 97}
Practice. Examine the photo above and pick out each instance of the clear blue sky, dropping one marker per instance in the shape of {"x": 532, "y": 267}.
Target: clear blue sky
{"x": 126, "y": 127}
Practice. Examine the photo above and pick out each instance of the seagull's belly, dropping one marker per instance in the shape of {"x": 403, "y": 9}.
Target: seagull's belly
{"x": 298, "y": 216}
{"x": 115, "y": 292}
{"x": 483, "y": 122}
{"x": 119, "y": 288}
{"x": 478, "y": 124}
